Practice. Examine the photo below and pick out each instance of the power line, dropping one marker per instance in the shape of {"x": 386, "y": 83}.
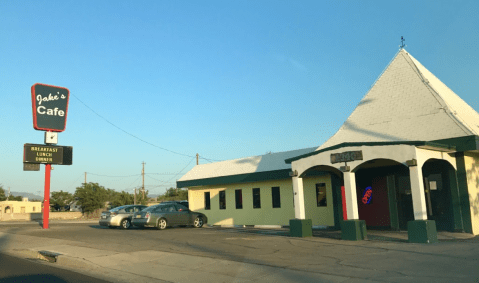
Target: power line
{"x": 132, "y": 135}
{"x": 75, "y": 181}
{"x": 113, "y": 176}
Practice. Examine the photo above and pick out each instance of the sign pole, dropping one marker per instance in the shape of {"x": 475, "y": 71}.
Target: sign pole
{"x": 46, "y": 202}
{"x": 343, "y": 198}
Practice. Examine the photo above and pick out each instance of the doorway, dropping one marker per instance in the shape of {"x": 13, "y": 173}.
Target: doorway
{"x": 437, "y": 189}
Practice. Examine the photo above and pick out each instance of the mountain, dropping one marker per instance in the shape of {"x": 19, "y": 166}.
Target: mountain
{"x": 26, "y": 195}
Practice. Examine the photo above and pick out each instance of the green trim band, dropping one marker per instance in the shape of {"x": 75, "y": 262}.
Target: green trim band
{"x": 241, "y": 178}
{"x": 349, "y": 144}
{"x": 244, "y": 178}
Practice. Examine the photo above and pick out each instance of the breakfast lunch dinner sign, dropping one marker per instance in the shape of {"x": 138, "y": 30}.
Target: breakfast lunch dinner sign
{"x": 50, "y": 107}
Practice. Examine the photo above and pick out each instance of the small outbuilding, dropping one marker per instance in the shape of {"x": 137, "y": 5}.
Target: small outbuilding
{"x": 20, "y": 210}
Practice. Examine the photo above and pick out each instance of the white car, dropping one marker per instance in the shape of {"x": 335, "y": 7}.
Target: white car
{"x": 120, "y": 216}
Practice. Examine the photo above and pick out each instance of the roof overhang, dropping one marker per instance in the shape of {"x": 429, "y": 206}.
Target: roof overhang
{"x": 420, "y": 144}
{"x": 240, "y": 178}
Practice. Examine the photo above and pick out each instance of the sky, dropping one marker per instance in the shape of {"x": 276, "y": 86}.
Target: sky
{"x": 160, "y": 81}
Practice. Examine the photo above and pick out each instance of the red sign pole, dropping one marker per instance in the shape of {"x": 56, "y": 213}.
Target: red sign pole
{"x": 46, "y": 201}
{"x": 343, "y": 197}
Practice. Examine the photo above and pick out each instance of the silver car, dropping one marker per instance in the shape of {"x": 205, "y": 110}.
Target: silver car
{"x": 168, "y": 214}
{"x": 120, "y": 216}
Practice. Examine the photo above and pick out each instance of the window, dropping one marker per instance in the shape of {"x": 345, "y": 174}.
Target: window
{"x": 256, "y": 198}
{"x": 239, "y": 199}
{"x": 276, "y": 197}
{"x": 34, "y": 209}
{"x": 22, "y": 209}
{"x": 222, "y": 199}
{"x": 207, "y": 201}
{"x": 321, "y": 194}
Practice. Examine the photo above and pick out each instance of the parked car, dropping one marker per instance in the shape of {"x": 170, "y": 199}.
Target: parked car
{"x": 182, "y": 202}
{"x": 168, "y": 214}
{"x": 120, "y": 216}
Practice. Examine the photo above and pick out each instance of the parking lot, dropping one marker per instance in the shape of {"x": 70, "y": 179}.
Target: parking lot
{"x": 186, "y": 254}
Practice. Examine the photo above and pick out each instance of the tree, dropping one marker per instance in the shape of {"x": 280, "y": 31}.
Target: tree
{"x": 174, "y": 194}
{"x": 17, "y": 198}
{"x": 60, "y": 199}
{"x": 140, "y": 199}
{"x": 91, "y": 197}
{"x": 122, "y": 198}
{"x": 2, "y": 194}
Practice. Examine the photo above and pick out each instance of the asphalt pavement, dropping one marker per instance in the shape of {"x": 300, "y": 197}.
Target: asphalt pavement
{"x": 243, "y": 255}
{"x": 14, "y": 269}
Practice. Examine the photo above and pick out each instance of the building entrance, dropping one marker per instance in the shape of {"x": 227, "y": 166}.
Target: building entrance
{"x": 437, "y": 188}
{"x": 384, "y": 197}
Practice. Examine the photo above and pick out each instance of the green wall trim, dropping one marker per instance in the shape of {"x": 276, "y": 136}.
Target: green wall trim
{"x": 353, "y": 230}
{"x": 422, "y": 231}
{"x": 244, "y": 178}
{"x": 349, "y": 144}
{"x": 456, "y": 201}
{"x": 463, "y": 192}
{"x": 393, "y": 206}
{"x": 301, "y": 228}
{"x": 462, "y": 143}
{"x": 337, "y": 201}
{"x": 234, "y": 179}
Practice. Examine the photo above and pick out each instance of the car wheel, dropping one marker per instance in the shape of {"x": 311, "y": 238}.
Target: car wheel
{"x": 198, "y": 222}
{"x": 125, "y": 224}
{"x": 162, "y": 224}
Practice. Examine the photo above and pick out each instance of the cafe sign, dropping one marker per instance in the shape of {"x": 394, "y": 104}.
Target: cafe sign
{"x": 346, "y": 156}
{"x": 50, "y": 107}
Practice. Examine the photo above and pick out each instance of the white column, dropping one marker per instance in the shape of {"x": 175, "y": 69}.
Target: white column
{"x": 417, "y": 191}
{"x": 351, "y": 197}
{"x": 298, "y": 194}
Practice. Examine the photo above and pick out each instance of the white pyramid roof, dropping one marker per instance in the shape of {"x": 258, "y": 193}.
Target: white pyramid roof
{"x": 407, "y": 103}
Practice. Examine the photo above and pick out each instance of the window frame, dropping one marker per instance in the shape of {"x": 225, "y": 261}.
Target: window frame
{"x": 277, "y": 198}
{"x": 207, "y": 200}
{"x": 239, "y": 199}
{"x": 256, "y": 203}
{"x": 222, "y": 195}
{"x": 318, "y": 201}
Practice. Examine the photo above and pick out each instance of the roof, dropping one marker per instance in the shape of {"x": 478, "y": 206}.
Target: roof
{"x": 407, "y": 103}
{"x": 243, "y": 166}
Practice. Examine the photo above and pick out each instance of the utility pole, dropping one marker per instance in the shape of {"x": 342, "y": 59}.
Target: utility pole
{"x": 197, "y": 159}
{"x": 85, "y": 178}
{"x": 8, "y": 191}
{"x": 143, "y": 183}
{"x": 134, "y": 202}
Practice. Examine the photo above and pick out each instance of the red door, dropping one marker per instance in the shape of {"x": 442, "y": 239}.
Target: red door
{"x": 373, "y": 203}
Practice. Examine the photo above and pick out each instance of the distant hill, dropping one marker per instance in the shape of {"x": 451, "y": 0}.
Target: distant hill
{"x": 26, "y": 195}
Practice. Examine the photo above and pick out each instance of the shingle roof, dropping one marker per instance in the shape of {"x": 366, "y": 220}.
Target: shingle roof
{"x": 253, "y": 164}
{"x": 407, "y": 103}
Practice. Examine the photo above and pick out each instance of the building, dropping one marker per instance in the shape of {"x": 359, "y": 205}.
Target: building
{"x": 407, "y": 158}
{"x": 12, "y": 209}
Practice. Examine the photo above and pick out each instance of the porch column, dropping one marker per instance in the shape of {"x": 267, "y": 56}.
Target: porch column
{"x": 300, "y": 226}
{"x": 299, "y": 210}
{"x": 420, "y": 230}
{"x": 352, "y": 229}
{"x": 417, "y": 191}
{"x": 351, "y": 197}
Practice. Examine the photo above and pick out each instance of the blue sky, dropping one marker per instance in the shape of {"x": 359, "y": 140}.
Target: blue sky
{"x": 225, "y": 79}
